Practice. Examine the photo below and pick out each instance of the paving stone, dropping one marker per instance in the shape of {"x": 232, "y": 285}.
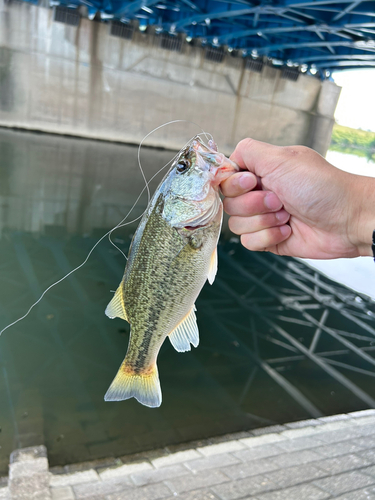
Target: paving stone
{"x": 300, "y": 443}
{"x": 238, "y": 489}
{"x": 365, "y": 494}
{"x": 366, "y": 441}
{"x": 368, "y": 455}
{"x": 152, "y": 492}
{"x": 268, "y": 430}
{"x": 334, "y": 426}
{"x": 295, "y": 433}
{"x": 295, "y": 458}
{"x": 65, "y": 493}
{"x": 343, "y": 483}
{"x": 124, "y": 470}
{"x": 284, "y": 478}
{"x": 215, "y": 461}
{"x": 19, "y": 488}
{"x": 233, "y": 436}
{"x": 365, "y": 420}
{"x": 75, "y": 478}
{"x": 195, "y": 495}
{"x": 303, "y": 423}
{"x": 226, "y": 447}
{"x": 337, "y": 449}
{"x": 363, "y": 430}
{"x": 301, "y": 492}
{"x": 369, "y": 470}
{"x": 345, "y": 463}
{"x": 4, "y": 494}
{"x": 362, "y": 413}
{"x": 28, "y": 468}
{"x": 267, "y": 450}
{"x": 145, "y": 456}
{"x": 252, "y": 468}
{"x": 252, "y": 442}
{"x": 58, "y": 469}
{"x": 176, "y": 458}
{"x": 89, "y": 490}
{"x": 334, "y": 418}
{"x": 340, "y": 435}
{"x": 93, "y": 464}
{"x": 200, "y": 480}
{"x": 159, "y": 475}
{"x": 26, "y": 454}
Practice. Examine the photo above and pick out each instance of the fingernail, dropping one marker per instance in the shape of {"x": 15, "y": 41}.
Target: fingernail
{"x": 285, "y": 230}
{"x": 246, "y": 181}
{"x": 272, "y": 201}
{"x": 282, "y": 215}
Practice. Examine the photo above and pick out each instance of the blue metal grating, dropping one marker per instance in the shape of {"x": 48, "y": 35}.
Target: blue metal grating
{"x": 318, "y": 36}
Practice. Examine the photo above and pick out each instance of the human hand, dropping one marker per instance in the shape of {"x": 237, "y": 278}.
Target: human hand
{"x": 291, "y": 201}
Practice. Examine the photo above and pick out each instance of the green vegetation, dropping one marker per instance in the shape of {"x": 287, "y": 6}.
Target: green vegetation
{"x": 352, "y": 141}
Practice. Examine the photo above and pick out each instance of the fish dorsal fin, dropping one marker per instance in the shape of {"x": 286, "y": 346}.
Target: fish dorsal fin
{"x": 185, "y": 333}
{"x": 116, "y": 308}
{"x": 213, "y": 267}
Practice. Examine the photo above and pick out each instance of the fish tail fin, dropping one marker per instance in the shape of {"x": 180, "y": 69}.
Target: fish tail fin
{"x": 144, "y": 386}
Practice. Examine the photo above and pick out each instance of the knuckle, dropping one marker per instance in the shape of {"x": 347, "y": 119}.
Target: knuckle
{"x": 297, "y": 150}
{"x": 267, "y": 220}
{"x": 228, "y": 206}
{"x": 232, "y": 224}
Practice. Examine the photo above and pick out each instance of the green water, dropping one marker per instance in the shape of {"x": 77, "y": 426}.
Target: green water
{"x": 57, "y": 197}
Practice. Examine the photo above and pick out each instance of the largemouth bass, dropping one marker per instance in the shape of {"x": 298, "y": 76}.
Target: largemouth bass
{"x": 172, "y": 254}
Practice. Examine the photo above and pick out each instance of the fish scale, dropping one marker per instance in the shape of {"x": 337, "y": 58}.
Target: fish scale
{"x": 173, "y": 252}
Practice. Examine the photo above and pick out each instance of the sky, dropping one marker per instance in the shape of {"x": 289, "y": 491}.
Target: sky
{"x": 356, "y": 107}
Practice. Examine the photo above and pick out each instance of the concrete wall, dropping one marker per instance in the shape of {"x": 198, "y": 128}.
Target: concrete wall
{"x": 83, "y": 81}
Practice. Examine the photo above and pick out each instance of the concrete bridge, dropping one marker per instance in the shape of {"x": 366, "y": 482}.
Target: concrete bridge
{"x": 83, "y": 80}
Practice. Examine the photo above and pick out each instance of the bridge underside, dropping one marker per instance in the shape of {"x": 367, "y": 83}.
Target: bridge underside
{"x": 314, "y": 36}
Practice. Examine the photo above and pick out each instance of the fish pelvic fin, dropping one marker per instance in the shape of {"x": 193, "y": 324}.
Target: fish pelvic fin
{"x": 143, "y": 386}
{"x": 213, "y": 267}
{"x": 185, "y": 333}
{"x": 116, "y": 307}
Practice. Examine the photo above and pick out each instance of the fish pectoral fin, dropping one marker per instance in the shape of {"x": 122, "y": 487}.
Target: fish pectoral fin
{"x": 213, "y": 267}
{"x": 143, "y": 386}
{"x": 185, "y": 333}
{"x": 116, "y": 307}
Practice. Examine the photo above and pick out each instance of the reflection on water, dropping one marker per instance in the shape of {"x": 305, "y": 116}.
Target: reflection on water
{"x": 278, "y": 342}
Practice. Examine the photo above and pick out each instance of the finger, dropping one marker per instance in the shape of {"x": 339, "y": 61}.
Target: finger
{"x": 238, "y": 184}
{"x": 252, "y": 203}
{"x": 266, "y": 239}
{"x": 242, "y": 225}
{"x": 260, "y": 157}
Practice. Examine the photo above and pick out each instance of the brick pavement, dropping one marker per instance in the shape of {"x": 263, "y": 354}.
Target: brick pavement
{"x": 328, "y": 458}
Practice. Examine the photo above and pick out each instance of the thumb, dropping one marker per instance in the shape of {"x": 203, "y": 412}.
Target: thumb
{"x": 258, "y": 157}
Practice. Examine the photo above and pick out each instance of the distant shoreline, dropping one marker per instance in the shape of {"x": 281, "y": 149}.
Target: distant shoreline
{"x": 353, "y": 141}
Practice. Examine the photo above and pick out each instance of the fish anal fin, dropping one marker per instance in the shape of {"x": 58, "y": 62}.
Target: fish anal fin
{"x": 185, "y": 333}
{"x": 143, "y": 386}
{"x": 213, "y": 267}
{"x": 116, "y": 307}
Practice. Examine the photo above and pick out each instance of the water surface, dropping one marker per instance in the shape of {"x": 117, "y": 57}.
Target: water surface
{"x": 262, "y": 359}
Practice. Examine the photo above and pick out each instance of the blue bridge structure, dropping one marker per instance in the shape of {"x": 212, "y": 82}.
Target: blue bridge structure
{"x": 315, "y": 36}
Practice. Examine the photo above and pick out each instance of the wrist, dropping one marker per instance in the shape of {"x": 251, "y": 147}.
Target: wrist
{"x": 363, "y": 220}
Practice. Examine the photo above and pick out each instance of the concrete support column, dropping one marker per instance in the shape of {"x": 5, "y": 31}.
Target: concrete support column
{"x": 319, "y": 136}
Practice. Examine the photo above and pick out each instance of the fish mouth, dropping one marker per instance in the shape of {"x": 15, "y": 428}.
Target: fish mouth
{"x": 216, "y": 163}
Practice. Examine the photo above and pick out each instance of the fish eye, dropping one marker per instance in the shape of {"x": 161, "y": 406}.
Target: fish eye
{"x": 183, "y": 165}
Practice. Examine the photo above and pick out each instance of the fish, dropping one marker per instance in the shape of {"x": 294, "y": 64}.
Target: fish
{"x": 172, "y": 254}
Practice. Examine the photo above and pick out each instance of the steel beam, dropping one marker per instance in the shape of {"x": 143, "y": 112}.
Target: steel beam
{"x": 339, "y": 377}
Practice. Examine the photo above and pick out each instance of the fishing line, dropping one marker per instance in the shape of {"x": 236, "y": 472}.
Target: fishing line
{"x": 120, "y": 224}
{"x": 148, "y": 182}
